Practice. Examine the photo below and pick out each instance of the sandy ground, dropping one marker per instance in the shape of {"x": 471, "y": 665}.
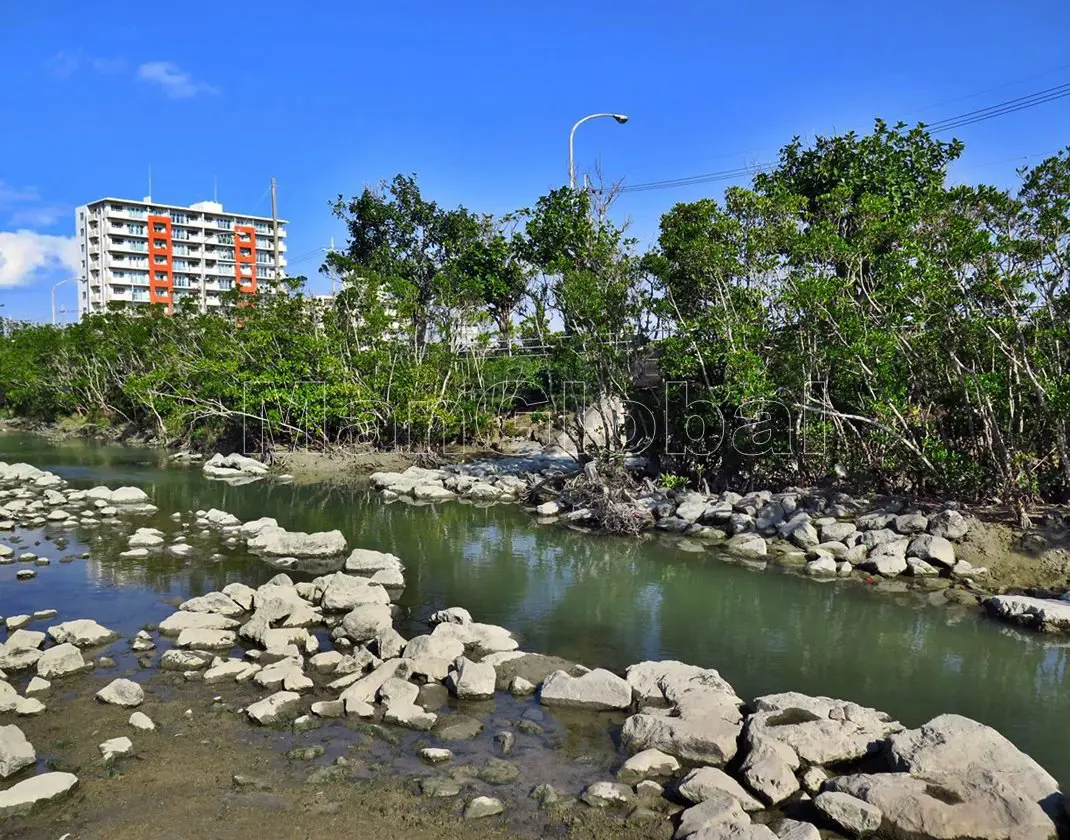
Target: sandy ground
{"x": 1016, "y": 560}
{"x": 181, "y": 783}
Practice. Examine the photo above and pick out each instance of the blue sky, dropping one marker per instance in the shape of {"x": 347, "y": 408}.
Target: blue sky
{"x": 477, "y": 98}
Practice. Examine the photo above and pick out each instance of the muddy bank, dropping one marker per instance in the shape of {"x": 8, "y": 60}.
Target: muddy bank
{"x": 210, "y": 776}
{"x": 339, "y": 468}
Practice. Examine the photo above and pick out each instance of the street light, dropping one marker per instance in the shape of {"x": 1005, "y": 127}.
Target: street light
{"x": 621, "y": 118}
{"x": 56, "y": 286}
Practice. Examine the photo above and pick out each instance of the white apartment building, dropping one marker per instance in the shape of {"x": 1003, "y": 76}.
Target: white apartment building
{"x": 143, "y": 252}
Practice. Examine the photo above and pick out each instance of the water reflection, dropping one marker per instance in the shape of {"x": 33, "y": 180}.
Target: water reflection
{"x": 601, "y": 601}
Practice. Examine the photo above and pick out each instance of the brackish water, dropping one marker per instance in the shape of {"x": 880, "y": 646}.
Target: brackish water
{"x": 598, "y": 600}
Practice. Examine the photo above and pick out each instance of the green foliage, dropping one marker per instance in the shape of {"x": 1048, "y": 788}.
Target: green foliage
{"x": 850, "y": 316}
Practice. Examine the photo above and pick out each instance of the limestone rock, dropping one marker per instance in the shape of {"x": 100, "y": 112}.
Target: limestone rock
{"x": 647, "y": 764}
{"x": 1043, "y": 613}
{"x": 277, "y": 542}
{"x": 853, "y": 816}
{"x": 274, "y": 709}
{"x": 472, "y": 680}
{"x": 142, "y": 722}
{"x": 483, "y": 806}
{"x": 953, "y": 744}
{"x": 709, "y": 741}
{"x": 207, "y": 639}
{"x": 175, "y": 623}
{"x": 213, "y": 602}
{"x": 702, "y": 783}
{"x": 949, "y": 807}
{"x": 769, "y": 769}
{"x": 721, "y": 812}
{"x": 606, "y": 794}
{"x": 932, "y": 549}
{"x": 122, "y": 692}
{"x": 82, "y": 632}
{"x": 184, "y": 660}
{"x": 367, "y": 562}
{"x": 820, "y": 730}
{"x": 596, "y": 690}
{"x": 61, "y": 660}
{"x": 15, "y": 751}
{"x": 21, "y": 799}
{"x": 344, "y": 592}
{"x": 365, "y": 622}
{"x": 949, "y": 524}
{"x": 116, "y": 747}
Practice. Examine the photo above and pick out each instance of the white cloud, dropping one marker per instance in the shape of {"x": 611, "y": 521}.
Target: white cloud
{"x": 25, "y": 255}
{"x": 24, "y": 207}
{"x": 64, "y": 64}
{"x": 176, "y": 82}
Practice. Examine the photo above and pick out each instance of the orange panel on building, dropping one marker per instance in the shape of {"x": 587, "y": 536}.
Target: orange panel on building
{"x": 245, "y": 264}
{"x": 161, "y": 276}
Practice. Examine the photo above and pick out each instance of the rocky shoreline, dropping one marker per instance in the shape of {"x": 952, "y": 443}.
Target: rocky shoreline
{"x": 828, "y": 536}
{"x": 697, "y": 760}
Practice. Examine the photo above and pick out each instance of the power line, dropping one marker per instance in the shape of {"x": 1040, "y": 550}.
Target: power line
{"x": 1010, "y": 106}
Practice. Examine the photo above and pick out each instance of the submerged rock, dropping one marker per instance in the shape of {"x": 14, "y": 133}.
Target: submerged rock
{"x": 483, "y": 806}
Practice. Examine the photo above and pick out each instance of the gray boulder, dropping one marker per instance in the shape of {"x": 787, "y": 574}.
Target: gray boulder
{"x": 277, "y": 542}
{"x": 932, "y": 549}
{"x": 648, "y": 764}
{"x": 949, "y": 807}
{"x": 472, "y": 680}
{"x": 769, "y": 769}
{"x": 911, "y": 523}
{"x": 597, "y": 690}
{"x": 953, "y": 744}
{"x": 704, "y": 783}
{"x": 837, "y": 531}
{"x": 274, "y": 709}
{"x": 213, "y": 602}
{"x": 364, "y": 561}
{"x": 23, "y": 798}
{"x": 1042, "y": 613}
{"x": 820, "y": 730}
{"x": 15, "y": 751}
{"x": 122, "y": 693}
{"x": 344, "y": 592}
{"x": 83, "y": 632}
{"x": 747, "y": 544}
{"x": 949, "y": 524}
{"x": 854, "y": 816}
{"x": 61, "y": 660}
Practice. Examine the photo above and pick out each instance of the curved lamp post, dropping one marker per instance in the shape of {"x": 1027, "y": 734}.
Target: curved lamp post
{"x": 620, "y": 118}
{"x": 56, "y": 286}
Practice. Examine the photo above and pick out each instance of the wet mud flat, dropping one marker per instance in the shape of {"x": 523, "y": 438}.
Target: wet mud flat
{"x": 206, "y": 773}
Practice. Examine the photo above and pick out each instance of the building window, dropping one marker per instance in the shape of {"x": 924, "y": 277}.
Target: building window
{"x": 161, "y": 275}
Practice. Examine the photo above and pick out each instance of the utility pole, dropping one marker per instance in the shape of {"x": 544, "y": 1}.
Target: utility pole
{"x": 275, "y": 226}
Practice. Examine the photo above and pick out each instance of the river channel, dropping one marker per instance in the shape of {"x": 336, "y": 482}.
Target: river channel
{"x": 598, "y": 600}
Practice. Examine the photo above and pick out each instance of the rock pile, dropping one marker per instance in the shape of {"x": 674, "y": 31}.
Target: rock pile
{"x": 33, "y": 498}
